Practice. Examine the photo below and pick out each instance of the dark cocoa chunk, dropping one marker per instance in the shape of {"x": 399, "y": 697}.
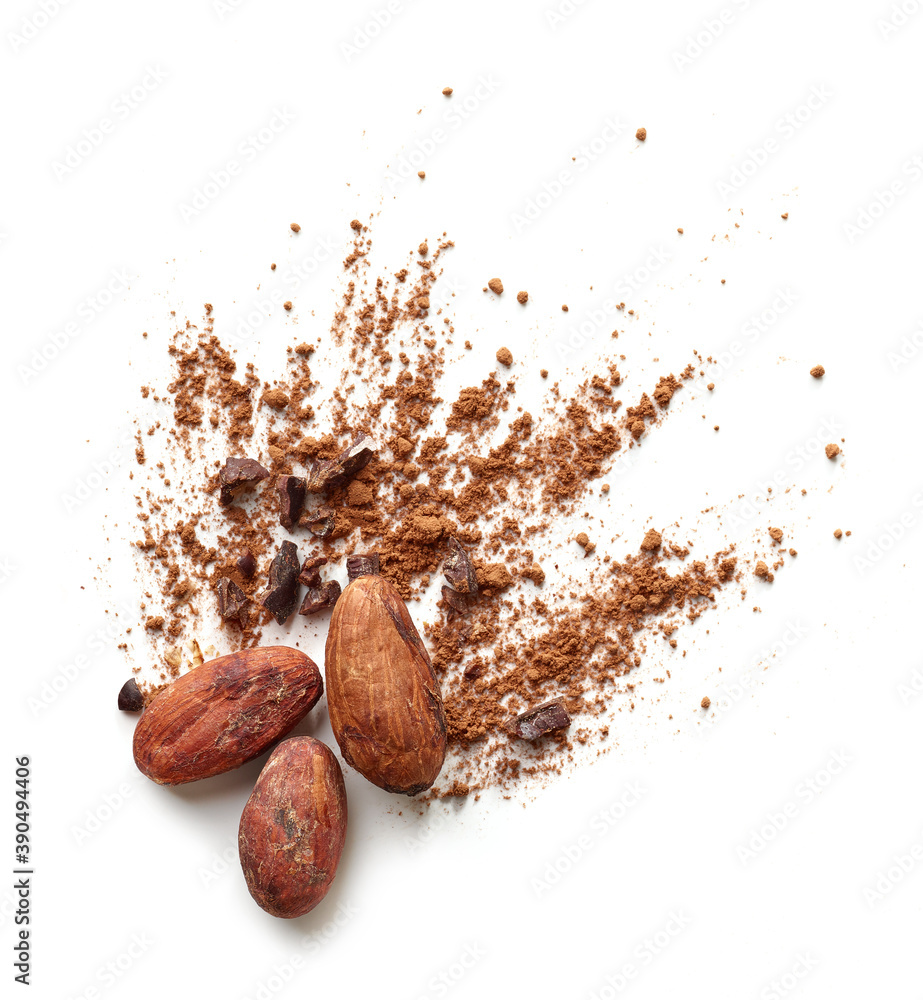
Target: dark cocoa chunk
{"x": 320, "y": 598}
{"x": 247, "y": 564}
{"x": 367, "y": 565}
{"x": 459, "y": 571}
{"x": 310, "y": 571}
{"x": 358, "y": 455}
{"x": 130, "y": 697}
{"x": 231, "y": 600}
{"x": 320, "y": 521}
{"x": 325, "y": 474}
{"x": 238, "y": 474}
{"x": 538, "y": 721}
{"x": 291, "y": 499}
{"x": 282, "y": 594}
{"x": 461, "y": 603}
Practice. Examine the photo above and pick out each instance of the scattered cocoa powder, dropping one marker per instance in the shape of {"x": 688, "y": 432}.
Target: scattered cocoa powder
{"x": 474, "y": 467}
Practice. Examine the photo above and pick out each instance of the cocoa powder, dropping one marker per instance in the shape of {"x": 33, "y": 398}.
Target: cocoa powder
{"x": 474, "y": 467}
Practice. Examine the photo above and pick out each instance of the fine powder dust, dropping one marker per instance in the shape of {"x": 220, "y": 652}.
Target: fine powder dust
{"x": 521, "y": 641}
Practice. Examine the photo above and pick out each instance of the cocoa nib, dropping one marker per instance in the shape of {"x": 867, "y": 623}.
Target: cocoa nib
{"x": 461, "y": 603}
{"x": 324, "y": 474}
{"x": 247, "y": 564}
{"x": 310, "y": 571}
{"x": 542, "y": 719}
{"x": 282, "y": 595}
{"x": 237, "y": 474}
{"x": 291, "y": 499}
{"x": 358, "y": 455}
{"x": 458, "y": 570}
{"x": 320, "y": 598}
{"x": 130, "y": 697}
{"x": 231, "y": 600}
{"x": 367, "y": 565}
{"x": 319, "y": 521}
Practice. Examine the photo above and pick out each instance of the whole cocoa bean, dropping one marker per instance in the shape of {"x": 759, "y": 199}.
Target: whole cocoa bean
{"x": 384, "y": 701}
{"x": 293, "y": 828}
{"x": 225, "y": 712}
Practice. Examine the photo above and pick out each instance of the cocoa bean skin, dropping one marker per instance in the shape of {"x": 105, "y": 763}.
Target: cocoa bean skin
{"x": 225, "y": 712}
{"x": 384, "y": 701}
{"x": 293, "y": 828}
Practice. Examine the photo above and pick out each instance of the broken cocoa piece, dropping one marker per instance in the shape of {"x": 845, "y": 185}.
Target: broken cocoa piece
{"x": 458, "y": 570}
{"x": 319, "y": 521}
{"x": 324, "y": 474}
{"x": 247, "y": 564}
{"x": 367, "y": 565}
{"x": 238, "y": 474}
{"x": 320, "y": 598}
{"x": 231, "y": 600}
{"x": 538, "y": 721}
{"x": 282, "y": 594}
{"x": 457, "y": 602}
{"x": 310, "y": 571}
{"x": 358, "y": 455}
{"x": 130, "y": 697}
{"x": 291, "y": 499}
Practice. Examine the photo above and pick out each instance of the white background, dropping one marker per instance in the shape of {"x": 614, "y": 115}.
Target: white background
{"x": 137, "y": 890}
